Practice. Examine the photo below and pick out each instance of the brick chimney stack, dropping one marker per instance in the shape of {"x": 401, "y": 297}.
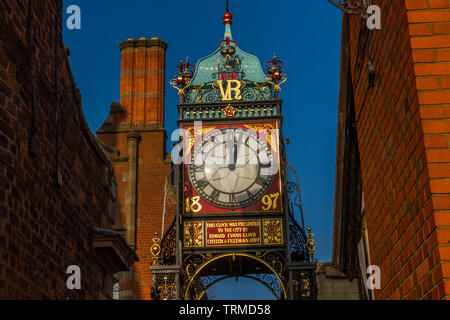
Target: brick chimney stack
{"x": 134, "y": 139}
{"x": 142, "y": 80}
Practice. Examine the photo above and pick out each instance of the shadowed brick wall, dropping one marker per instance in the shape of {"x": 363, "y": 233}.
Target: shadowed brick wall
{"x": 53, "y": 194}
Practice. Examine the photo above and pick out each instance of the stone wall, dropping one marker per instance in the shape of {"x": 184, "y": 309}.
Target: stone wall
{"x": 332, "y": 284}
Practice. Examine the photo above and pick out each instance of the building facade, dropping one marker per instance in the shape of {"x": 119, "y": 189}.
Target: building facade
{"x": 134, "y": 139}
{"x": 392, "y": 197}
{"x": 57, "y": 188}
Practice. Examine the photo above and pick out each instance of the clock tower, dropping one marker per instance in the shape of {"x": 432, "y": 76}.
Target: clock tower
{"x": 236, "y": 200}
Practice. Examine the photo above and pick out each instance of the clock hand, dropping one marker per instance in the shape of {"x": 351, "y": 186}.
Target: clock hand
{"x": 237, "y": 147}
{"x": 235, "y": 157}
{"x": 231, "y": 154}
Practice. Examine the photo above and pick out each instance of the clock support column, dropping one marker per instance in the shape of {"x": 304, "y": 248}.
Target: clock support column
{"x": 166, "y": 268}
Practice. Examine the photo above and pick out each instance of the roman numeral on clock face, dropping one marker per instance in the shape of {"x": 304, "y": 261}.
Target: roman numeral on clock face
{"x": 260, "y": 181}
{"x": 215, "y": 195}
{"x": 199, "y": 168}
{"x": 202, "y": 184}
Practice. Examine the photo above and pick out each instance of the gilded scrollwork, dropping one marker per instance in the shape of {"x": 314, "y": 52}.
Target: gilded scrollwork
{"x": 168, "y": 249}
{"x": 193, "y": 234}
{"x": 275, "y": 259}
{"x": 272, "y": 231}
{"x": 268, "y": 130}
{"x": 304, "y": 285}
{"x": 211, "y": 92}
{"x": 164, "y": 286}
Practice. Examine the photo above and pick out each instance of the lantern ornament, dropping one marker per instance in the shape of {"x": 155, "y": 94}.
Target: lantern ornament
{"x": 310, "y": 243}
{"x": 183, "y": 80}
{"x": 155, "y": 249}
{"x": 276, "y": 76}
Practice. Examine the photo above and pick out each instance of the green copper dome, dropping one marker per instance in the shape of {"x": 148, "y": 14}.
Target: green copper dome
{"x": 228, "y": 63}
{"x": 208, "y": 65}
{"x": 249, "y": 63}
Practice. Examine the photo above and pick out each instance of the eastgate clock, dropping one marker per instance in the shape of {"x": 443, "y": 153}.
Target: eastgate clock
{"x": 232, "y": 167}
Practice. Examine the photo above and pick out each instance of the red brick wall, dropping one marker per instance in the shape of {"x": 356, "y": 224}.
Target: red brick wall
{"x": 403, "y": 126}
{"x": 44, "y": 227}
{"x": 429, "y": 27}
{"x": 151, "y": 181}
{"x": 142, "y": 103}
{"x": 142, "y": 80}
{"x": 154, "y": 166}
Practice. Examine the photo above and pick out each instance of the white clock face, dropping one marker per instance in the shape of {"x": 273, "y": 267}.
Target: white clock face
{"x": 230, "y": 167}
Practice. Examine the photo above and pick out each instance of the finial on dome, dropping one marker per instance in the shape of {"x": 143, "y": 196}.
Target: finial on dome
{"x": 228, "y": 21}
{"x": 228, "y": 17}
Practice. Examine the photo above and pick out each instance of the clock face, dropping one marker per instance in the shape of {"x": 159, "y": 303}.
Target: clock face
{"x": 231, "y": 168}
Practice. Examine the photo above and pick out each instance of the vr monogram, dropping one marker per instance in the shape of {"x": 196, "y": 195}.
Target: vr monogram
{"x": 232, "y": 85}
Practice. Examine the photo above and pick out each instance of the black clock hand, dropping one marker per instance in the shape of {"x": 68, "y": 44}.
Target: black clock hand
{"x": 234, "y": 156}
{"x": 230, "y": 147}
{"x": 238, "y": 147}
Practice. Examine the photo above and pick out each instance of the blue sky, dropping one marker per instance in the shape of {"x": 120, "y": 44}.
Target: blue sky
{"x": 304, "y": 34}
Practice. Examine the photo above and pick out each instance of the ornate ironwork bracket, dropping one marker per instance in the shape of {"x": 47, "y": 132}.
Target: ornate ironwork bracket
{"x": 276, "y": 76}
{"x": 354, "y": 7}
{"x": 165, "y": 283}
{"x": 302, "y": 281}
{"x": 168, "y": 247}
{"x": 311, "y": 244}
{"x": 183, "y": 80}
{"x": 155, "y": 249}
{"x": 198, "y": 277}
